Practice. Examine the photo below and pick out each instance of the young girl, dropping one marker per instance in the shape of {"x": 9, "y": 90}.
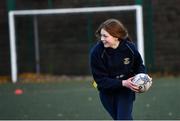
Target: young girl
{"x": 114, "y": 60}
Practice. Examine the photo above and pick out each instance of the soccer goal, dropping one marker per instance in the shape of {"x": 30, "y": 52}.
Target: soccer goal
{"x": 12, "y": 27}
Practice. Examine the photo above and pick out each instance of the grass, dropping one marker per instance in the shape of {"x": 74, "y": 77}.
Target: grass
{"x": 161, "y": 102}
{"x": 79, "y": 100}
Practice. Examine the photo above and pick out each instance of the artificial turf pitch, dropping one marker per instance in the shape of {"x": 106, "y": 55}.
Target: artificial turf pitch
{"x": 77, "y": 100}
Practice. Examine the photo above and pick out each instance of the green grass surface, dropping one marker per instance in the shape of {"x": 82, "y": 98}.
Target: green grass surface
{"x": 78, "y": 100}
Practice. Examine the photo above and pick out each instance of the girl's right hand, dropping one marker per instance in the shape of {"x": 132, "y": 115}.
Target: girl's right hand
{"x": 129, "y": 84}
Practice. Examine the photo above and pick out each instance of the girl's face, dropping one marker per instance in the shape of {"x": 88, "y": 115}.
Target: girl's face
{"x": 108, "y": 40}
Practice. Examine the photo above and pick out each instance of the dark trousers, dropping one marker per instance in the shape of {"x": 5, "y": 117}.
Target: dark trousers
{"x": 119, "y": 106}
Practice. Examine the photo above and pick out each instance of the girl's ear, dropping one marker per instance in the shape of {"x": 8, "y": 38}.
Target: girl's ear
{"x": 117, "y": 39}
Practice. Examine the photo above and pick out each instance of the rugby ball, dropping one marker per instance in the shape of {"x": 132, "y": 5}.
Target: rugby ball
{"x": 143, "y": 81}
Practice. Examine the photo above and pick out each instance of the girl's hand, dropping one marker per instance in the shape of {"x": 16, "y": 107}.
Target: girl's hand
{"x": 129, "y": 84}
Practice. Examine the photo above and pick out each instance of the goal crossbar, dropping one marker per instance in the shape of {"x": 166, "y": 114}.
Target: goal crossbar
{"x": 12, "y": 30}
{"x": 75, "y": 10}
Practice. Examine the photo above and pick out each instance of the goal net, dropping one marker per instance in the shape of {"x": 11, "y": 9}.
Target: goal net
{"x": 57, "y": 41}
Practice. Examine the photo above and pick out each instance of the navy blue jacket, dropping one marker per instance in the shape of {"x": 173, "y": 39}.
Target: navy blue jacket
{"x": 110, "y": 66}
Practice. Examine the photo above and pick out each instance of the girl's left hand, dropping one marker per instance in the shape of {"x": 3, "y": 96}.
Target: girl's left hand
{"x": 129, "y": 84}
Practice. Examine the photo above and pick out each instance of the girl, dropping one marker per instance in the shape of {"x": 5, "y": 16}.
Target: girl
{"x": 114, "y": 60}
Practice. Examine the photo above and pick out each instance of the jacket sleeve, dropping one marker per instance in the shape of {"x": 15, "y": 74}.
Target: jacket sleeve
{"x": 100, "y": 74}
{"x": 138, "y": 63}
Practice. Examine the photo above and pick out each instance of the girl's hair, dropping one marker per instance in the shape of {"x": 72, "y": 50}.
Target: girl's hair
{"x": 115, "y": 28}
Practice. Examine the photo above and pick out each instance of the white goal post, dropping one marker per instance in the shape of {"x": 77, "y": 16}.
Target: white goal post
{"x": 12, "y": 30}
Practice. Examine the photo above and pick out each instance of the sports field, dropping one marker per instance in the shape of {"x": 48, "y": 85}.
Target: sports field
{"x": 79, "y": 100}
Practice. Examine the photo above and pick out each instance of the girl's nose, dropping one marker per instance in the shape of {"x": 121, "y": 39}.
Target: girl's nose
{"x": 102, "y": 38}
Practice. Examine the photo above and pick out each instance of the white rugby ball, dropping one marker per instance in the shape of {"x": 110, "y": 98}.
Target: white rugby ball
{"x": 143, "y": 81}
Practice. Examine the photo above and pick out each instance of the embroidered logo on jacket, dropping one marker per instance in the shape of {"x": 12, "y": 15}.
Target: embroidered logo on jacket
{"x": 126, "y": 61}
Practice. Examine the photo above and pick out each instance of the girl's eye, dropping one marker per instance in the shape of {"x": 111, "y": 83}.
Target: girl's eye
{"x": 103, "y": 35}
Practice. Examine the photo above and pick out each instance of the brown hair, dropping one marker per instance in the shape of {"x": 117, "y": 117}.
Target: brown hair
{"x": 115, "y": 28}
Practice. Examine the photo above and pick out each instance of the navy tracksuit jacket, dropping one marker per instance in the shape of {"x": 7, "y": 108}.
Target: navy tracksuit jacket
{"x": 109, "y": 67}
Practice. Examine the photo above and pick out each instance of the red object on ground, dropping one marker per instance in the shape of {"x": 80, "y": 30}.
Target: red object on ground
{"x": 18, "y": 92}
